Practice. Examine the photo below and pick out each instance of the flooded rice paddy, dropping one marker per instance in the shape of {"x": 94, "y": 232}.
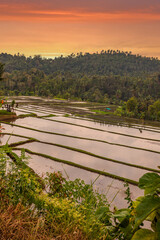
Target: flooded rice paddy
{"x": 123, "y": 150}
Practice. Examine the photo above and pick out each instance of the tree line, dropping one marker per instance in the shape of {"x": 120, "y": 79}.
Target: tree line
{"x": 106, "y": 77}
{"x": 108, "y": 62}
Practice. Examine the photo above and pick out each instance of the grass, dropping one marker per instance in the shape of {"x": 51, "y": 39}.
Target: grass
{"x": 122, "y": 134}
{"x": 89, "y": 139}
{"x": 16, "y": 135}
{"x": 110, "y": 143}
{"x": 66, "y": 115}
{"x": 22, "y": 164}
{"x": 22, "y": 142}
{"x": 46, "y": 116}
{"x": 58, "y": 98}
{"x": 84, "y": 152}
{"x": 29, "y": 213}
{"x": 27, "y": 115}
{"x": 70, "y": 210}
{"x": 5, "y": 112}
{"x": 17, "y": 222}
{"x": 102, "y": 112}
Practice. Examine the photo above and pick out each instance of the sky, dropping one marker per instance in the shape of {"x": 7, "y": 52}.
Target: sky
{"x": 52, "y": 28}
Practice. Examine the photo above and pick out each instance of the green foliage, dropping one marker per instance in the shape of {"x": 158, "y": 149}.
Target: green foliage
{"x": 148, "y": 207}
{"x": 131, "y": 104}
{"x": 47, "y": 116}
{"x": 1, "y": 71}
{"x": 150, "y": 183}
{"x": 5, "y": 112}
{"x": 154, "y": 110}
{"x": 77, "y": 191}
{"x": 71, "y": 205}
{"x": 66, "y": 115}
{"x": 138, "y": 109}
{"x": 144, "y": 234}
{"x": 103, "y": 63}
{"x": 20, "y": 182}
{"x": 27, "y": 115}
{"x": 128, "y": 196}
{"x": 74, "y": 204}
{"x": 101, "y": 112}
{"x": 108, "y": 77}
{"x": 13, "y": 103}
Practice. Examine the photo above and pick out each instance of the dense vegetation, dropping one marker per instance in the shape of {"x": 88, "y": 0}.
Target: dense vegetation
{"x": 1, "y": 71}
{"x": 56, "y": 208}
{"x": 104, "y": 63}
{"x": 143, "y": 109}
{"x": 107, "y": 76}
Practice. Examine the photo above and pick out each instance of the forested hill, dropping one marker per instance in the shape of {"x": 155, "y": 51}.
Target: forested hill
{"x": 105, "y": 63}
{"x": 105, "y": 77}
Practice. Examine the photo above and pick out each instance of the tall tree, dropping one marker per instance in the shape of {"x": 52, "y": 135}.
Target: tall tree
{"x": 1, "y": 71}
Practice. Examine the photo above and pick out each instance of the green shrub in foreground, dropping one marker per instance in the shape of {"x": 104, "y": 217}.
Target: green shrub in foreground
{"x": 68, "y": 205}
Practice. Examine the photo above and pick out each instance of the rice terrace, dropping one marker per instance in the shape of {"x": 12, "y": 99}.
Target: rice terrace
{"x": 79, "y": 120}
{"x": 67, "y": 137}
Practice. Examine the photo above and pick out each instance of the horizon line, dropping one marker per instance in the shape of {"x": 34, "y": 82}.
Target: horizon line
{"x": 65, "y": 55}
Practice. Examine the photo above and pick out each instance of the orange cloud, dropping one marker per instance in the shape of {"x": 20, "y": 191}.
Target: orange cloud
{"x": 26, "y": 13}
{"x": 79, "y": 17}
{"x": 31, "y": 30}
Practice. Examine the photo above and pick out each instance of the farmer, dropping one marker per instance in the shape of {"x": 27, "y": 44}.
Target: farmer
{"x": 2, "y": 102}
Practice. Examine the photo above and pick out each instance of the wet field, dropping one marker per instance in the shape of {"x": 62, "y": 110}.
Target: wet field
{"x": 121, "y": 149}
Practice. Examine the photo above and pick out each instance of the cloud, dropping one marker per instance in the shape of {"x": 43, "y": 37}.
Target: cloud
{"x": 75, "y": 10}
{"x": 88, "y": 5}
{"x": 55, "y": 26}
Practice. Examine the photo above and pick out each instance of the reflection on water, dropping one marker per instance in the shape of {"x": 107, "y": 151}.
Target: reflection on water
{"x": 136, "y": 130}
{"x": 103, "y": 184}
{"x": 71, "y": 130}
{"x": 10, "y": 139}
{"x": 86, "y": 160}
{"x": 114, "y": 128}
{"x": 124, "y": 154}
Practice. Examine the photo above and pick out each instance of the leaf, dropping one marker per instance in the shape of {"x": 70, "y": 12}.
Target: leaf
{"x": 151, "y": 217}
{"x": 103, "y": 214}
{"x": 137, "y": 201}
{"x": 150, "y": 182}
{"x": 145, "y": 208}
{"x": 144, "y": 234}
{"x": 158, "y": 229}
{"x": 102, "y": 210}
{"x": 122, "y": 214}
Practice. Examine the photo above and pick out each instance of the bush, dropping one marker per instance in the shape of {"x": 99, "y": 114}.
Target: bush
{"x": 132, "y": 104}
{"x": 5, "y": 112}
{"x": 71, "y": 208}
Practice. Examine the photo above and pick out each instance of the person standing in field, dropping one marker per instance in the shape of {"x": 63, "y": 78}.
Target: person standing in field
{"x": 2, "y": 102}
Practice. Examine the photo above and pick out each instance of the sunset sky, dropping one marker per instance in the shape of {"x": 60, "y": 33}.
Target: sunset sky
{"x": 55, "y": 27}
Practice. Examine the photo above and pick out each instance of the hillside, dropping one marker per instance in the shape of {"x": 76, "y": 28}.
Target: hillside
{"x": 104, "y": 63}
{"x": 100, "y": 77}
